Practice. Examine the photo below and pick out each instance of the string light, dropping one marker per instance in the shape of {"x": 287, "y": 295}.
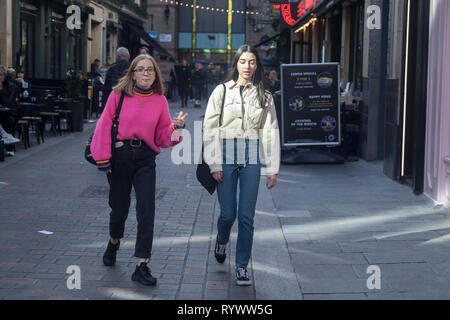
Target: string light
{"x": 180, "y": 3}
{"x": 306, "y": 25}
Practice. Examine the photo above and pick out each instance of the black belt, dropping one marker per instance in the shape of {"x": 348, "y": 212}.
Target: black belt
{"x": 132, "y": 143}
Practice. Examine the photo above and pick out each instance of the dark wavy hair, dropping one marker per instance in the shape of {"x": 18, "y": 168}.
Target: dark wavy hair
{"x": 258, "y": 77}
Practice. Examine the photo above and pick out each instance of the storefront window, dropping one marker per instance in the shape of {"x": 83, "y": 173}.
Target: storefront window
{"x": 108, "y": 47}
{"x": 55, "y": 62}
{"x": 74, "y": 52}
{"x": 359, "y": 48}
{"x": 26, "y": 45}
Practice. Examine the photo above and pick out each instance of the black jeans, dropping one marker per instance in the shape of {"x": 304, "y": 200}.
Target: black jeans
{"x": 133, "y": 167}
{"x": 184, "y": 92}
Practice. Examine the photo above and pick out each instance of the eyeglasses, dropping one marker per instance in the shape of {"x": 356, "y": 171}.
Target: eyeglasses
{"x": 143, "y": 71}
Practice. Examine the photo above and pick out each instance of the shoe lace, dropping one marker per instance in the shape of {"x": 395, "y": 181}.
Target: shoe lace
{"x": 221, "y": 248}
{"x": 241, "y": 272}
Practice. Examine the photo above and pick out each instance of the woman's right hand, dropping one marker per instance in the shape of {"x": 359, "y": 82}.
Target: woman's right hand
{"x": 109, "y": 171}
{"x": 218, "y": 176}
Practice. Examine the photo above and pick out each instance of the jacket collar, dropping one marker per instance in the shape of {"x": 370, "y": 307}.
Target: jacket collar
{"x": 233, "y": 85}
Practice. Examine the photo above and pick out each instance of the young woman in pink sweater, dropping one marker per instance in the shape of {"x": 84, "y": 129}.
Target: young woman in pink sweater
{"x": 145, "y": 127}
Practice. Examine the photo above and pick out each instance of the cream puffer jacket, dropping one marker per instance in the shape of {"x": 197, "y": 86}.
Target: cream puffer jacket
{"x": 242, "y": 118}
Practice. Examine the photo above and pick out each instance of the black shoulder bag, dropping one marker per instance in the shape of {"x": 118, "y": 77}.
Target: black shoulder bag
{"x": 204, "y": 175}
{"x": 114, "y": 131}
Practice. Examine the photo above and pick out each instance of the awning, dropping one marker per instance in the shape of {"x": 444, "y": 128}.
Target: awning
{"x": 317, "y": 12}
{"x": 84, "y": 7}
{"x": 151, "y": 42}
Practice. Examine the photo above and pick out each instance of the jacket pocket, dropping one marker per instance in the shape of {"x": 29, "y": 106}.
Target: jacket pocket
{"x": 254, "y": 114}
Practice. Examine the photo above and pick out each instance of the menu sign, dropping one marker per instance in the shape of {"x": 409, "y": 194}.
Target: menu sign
{"x": 310, "y": 104}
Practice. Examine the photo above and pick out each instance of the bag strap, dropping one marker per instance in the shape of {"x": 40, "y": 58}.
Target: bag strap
{"x": 223, "y": 102}
{"x": 115, "y": 125}
{"x": 119, "y": 107}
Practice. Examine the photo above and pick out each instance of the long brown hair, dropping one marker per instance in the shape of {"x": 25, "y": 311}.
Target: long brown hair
{"x": 126, "y": 83}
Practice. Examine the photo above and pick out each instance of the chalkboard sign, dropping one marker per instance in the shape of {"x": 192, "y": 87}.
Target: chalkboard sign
{"x": 310, "y": 104}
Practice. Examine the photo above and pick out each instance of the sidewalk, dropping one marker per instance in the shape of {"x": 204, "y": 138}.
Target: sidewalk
{"x": 337, "y": 220}
{"x": 316, "y": 233}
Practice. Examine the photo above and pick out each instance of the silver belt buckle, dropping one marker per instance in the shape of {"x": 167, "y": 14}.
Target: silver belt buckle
{"x": 119, "y": 144}
{"x": 136, "y": 145}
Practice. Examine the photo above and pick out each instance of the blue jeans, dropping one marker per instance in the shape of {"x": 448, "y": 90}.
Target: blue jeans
{"x": 248, "y": 174}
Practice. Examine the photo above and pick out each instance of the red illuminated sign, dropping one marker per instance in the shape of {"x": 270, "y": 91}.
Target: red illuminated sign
{"x": 302, "y": 8}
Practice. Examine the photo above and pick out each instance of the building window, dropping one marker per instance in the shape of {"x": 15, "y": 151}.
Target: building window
{"x": 27, "y": 60}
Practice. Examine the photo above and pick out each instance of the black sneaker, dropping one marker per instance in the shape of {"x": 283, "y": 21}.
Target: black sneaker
{"x": 220, "y": 252}
{"x": 242, "y": 277}
{"x": 142, "y": 274}
{"x": 109, "y": 257}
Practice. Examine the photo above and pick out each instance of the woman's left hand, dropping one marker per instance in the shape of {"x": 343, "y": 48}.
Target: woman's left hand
{"x": 178, "y": 122}
{"x": 271, "y": 181}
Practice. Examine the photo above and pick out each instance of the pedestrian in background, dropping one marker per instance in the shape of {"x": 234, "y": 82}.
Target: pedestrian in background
{"x": 183, "y": 75}
{"x": 173, "y": 85}
{"x": 95, "y": 67}
{"x": 144, "y": 50}
{"x": 234, "y": 136}
{"x": 198, "y": 83}
{"x": 211, "y": 78}
{"x": 274, "y": 83}
{"x": 145, "y": 127}
{"x": 116, "y": 71}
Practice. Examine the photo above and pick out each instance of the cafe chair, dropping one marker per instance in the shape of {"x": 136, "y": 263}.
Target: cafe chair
{"x": 55, "y": 120}
{"x": 36, "y": 125}
{"x": 24, "y": 136}
{"x": 65, "y": 114}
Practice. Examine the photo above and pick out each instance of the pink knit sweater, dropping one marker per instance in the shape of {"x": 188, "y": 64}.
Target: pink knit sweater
{"x": 144, "y": 118}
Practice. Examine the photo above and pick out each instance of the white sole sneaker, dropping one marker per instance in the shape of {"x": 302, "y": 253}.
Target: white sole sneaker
{"x": 244, "y": 282}
{"x": 242, "y": 278}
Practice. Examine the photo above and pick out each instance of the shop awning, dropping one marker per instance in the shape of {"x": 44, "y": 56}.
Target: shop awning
{"x": 316, "y": 12}
{"x": 149, "y": 40}
{"x": 84, "y": 7}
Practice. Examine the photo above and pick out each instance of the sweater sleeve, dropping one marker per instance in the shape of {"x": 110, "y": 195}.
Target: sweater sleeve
{"x": 165, "y": 135}
{"x": 101, "y": 141}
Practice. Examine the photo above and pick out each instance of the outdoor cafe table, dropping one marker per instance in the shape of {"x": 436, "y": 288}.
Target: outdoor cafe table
{"x": 31, "y": 108}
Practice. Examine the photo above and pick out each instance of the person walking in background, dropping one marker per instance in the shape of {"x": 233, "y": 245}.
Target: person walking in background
{"x": 145, "y": 127}
{"x": 211, "y": 78}
{"x": 274, "y": 83}
{"x": 220, "y": 75}
{"x": 183, "y": 75}
{"x": 144, "y": 50}
{"x": 198, "y": 83}
{"x": 116, "y": 71}
{"x": 173, "y": 85}
{"x": 234, "y": 135}
{"x": 95, "y": 67}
